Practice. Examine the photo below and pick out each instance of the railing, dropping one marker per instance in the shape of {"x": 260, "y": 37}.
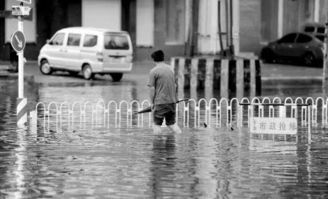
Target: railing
{"x": 212, "y": 113}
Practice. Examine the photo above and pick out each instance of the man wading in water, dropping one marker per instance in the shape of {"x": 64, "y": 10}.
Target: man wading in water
{"x": 162, "y": 93}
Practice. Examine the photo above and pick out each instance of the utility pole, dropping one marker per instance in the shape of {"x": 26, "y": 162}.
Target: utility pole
{"x": 325, "y": 65}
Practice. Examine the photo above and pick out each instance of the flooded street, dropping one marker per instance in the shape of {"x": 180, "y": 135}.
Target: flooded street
{"x": 134, "y": 163}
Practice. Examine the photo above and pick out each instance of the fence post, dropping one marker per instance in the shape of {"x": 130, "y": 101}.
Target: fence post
{"x": 309, "y": 124}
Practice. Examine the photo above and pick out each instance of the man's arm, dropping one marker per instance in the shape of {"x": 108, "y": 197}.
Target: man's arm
{"x": 151, "y": 94}
{"x": 176, "y": 90}
{"x": 151, "y": 86}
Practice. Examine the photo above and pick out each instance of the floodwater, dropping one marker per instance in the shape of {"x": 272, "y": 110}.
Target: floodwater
{"x": 134, "y": 163}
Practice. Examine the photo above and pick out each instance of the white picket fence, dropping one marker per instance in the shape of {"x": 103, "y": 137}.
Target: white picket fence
{"x": 211, "y": 113}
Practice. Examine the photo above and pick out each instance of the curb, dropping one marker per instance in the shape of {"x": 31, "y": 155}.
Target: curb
{"x": 271, "y": 81}
{"x": 14, "y": 76}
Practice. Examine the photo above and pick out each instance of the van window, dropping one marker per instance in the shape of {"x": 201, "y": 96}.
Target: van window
{"x": 58, "y": 39}
{"x": 73, "y": 39}
{"x": 116, "y": 42}
{"x": 90, "y": 40}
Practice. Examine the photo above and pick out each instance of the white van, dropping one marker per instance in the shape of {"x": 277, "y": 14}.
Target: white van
{"x": 87, "y": 50}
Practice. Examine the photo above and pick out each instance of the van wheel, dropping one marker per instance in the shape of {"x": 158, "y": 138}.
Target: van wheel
{"x": 87, "y": 72}
{"x": 116, "y": 76}
{"x": 45, "y": 67}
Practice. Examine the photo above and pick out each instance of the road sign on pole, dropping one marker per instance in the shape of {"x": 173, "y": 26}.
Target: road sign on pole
{"x": 18, "y": 41}
{"x": 26, "y": 1}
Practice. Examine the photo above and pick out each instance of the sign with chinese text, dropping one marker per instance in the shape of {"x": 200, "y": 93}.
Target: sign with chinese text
{"x": 273, "y": 125}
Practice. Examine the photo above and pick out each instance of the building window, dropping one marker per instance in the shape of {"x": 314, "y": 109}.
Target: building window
{"x": 175, "y": 21}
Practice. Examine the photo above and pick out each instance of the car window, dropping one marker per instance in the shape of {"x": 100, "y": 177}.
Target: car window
{"x": 58, "y": 39}
{"x": 290, "y": 38}
{"x": 90, "y": 40}
{"x": 321, "y": 30}
{"x": 309, "y": 29}
{"x": 320, "y": 37}
{"x": 73, "y": 39}
{"x": 116, "y": 42}
{"x": 303, "y": 38}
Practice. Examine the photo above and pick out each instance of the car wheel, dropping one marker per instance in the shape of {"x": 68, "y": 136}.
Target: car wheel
{"x": 309, "y": 59}
{"x": 87, "y": 72}
{"x": 116, "y": 76}
{"x": 267, "y": 56}
{"x": 45, "y": 67}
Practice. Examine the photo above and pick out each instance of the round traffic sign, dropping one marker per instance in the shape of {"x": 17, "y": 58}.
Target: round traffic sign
{"x": 18, "y": 41}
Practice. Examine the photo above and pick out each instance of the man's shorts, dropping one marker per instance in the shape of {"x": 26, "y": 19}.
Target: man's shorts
{"x": 166, "y": 111}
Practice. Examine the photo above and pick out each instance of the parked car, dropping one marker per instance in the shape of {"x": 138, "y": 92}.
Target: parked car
{"x": 89, "y": 51}
{"x": 316, "y": 29}
{"x": 300, "y": 47}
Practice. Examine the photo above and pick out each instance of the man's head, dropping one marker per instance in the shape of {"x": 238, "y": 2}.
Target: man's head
{"x": 158, "y": 56}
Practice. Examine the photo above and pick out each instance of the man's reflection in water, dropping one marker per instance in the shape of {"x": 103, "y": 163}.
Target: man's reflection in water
{"x": 163, "y": 161}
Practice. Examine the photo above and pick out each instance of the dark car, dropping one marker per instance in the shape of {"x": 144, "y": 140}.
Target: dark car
{"x": 300, "y": 47}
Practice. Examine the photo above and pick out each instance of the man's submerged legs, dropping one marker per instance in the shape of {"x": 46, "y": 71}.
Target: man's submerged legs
{"x": 175, "y": 128}
{"x": 156, "y": 129}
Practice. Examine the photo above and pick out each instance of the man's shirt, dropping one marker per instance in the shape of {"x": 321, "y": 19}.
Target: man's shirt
{"x": 161, "y": 77}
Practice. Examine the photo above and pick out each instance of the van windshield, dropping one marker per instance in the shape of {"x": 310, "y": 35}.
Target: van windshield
{"x": 116, "y": 42}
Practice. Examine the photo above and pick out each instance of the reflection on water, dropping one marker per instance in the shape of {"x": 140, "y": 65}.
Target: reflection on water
{"x": 81, "y": 92}
{"x": 134, "y": 163}
{"x": 129, "y": 163}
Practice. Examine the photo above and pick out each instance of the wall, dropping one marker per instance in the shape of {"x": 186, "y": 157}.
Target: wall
{"x": 145, "y": 23}
{"x": 52, "y": 16}
{"x": 250, "y": 26}
{"x": 160, "y": 36}
{"x": 102, "y": 14}
{"x": 208, "y": 27}
{"x": 323, "y": 15}
{"x": 3, "y": 49}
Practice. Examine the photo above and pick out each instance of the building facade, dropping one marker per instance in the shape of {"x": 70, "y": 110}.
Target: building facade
{"x": 179, "y": 27}
{"x": 152, "y": 24}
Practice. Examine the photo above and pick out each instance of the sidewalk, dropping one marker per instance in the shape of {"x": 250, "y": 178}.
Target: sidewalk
{"x": 278, "y": 74}
{"x": 4, "y": 70}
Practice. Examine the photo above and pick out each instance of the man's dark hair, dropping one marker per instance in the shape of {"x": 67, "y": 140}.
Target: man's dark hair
{"x": 158, "y": 56}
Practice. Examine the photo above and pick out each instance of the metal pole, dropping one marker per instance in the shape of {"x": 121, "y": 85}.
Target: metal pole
{"x": 20, "y": 64}
{"x": 325, "y": 67}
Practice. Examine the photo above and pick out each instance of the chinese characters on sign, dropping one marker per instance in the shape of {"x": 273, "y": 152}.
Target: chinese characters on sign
{"x": 268, "y": 125}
